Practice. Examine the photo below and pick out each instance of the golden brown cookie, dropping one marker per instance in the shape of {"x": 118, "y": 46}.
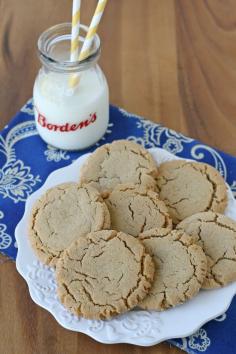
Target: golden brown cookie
{"x": 104, "y": 274}
{"x": 120, "y": 162}
{"x": 216, "y": 234}
{"x": 63, "y": 214}
{"x": 191, "y": 187}
{"x": 181, "y": 268}
{"x": 136, "y": 209}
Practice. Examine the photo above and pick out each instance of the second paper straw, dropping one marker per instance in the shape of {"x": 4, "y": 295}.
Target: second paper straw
{"x": 85, "y": 51}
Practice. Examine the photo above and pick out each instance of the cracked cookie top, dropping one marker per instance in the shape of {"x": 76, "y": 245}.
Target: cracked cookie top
{"x": 188, "y": 188}
{"x": 122, "y": 161}
{"x": 92, "y": 275}
{"x": 181, "y": 268}
{"x": 216, "y": 234}
{"x": 63, "y": 214}
{"x": 136, "y": 209}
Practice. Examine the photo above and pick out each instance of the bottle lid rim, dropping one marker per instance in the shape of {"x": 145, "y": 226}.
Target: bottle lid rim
{"x": 54, "y": 35}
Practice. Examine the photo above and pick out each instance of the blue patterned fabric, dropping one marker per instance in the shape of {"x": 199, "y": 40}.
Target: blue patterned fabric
{"x": 26, "y": 161}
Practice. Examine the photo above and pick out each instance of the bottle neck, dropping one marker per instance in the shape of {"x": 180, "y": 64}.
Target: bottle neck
{"x": 54, "y": 50}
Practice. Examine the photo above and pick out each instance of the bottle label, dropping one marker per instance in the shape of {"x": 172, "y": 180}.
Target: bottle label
{"x": 67, "y": 127}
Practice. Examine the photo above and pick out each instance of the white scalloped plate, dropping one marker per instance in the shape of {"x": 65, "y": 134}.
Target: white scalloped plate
{"x": 135, "y": 327}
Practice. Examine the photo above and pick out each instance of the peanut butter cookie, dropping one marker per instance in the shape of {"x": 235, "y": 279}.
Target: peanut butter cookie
{"x": 216, "y": 234}
{"x": 63, "y": 214}
{"x": 191, "y": 187}
{"x": 181, "y": 268}
{"x": 104, "y": 274}
{"x": 136, "y": 209}
{"x": 120, "y": 162}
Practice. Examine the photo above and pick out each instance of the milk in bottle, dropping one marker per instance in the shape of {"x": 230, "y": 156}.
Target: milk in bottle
{"x": 70, "y": 118}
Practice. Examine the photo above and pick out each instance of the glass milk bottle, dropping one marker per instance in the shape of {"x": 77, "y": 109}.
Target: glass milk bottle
{"x": 68, "y": 117}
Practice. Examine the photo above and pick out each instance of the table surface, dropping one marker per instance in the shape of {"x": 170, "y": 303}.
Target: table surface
{"x": 170, "y": 61}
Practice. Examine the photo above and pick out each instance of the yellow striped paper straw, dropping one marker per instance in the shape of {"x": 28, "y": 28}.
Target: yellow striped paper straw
{"x": 74, "y": 52}
{"x": 85, "y": 51}
{"x": 92, "y": 29}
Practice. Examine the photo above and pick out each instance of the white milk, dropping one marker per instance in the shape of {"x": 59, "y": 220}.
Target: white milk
{"x": 71, "y": 119}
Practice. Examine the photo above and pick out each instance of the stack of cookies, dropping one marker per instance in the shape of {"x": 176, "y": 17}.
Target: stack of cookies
{"x": 132, "y": 233}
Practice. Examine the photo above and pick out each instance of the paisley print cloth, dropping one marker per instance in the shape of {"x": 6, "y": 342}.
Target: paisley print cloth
{"x": 26, "y": 161}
